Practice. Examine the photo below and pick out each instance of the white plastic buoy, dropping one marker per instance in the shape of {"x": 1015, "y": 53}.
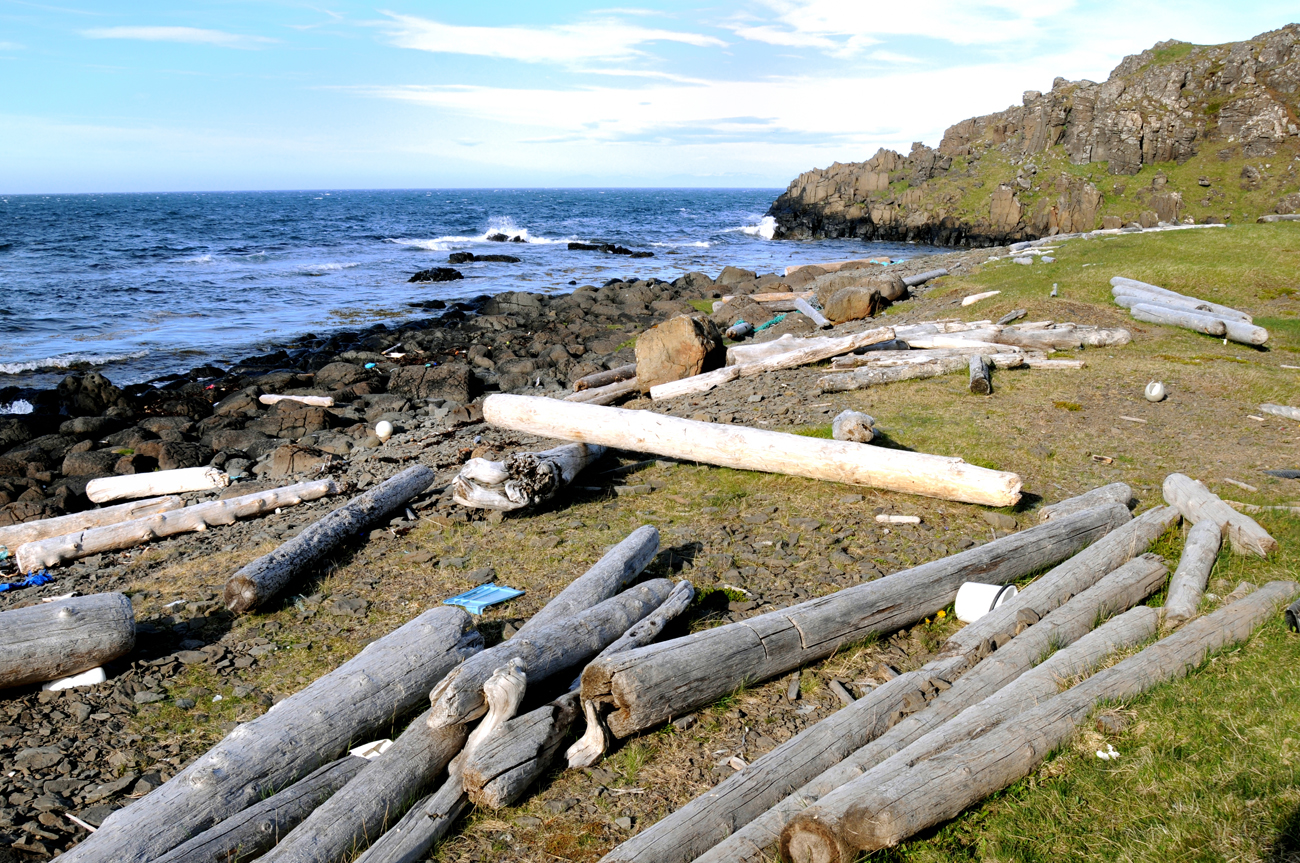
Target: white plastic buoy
{"x": 384, "y": 430}
{"x": 85, "y": 678}
{"x": 974, "y": 600}
{"x": 1155, "y": 391}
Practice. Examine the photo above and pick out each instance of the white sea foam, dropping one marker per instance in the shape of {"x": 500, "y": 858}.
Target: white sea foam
{"x": 766, "y": 228}
{"x": 322, "y": 269}
{"x": 201, "y": 259}
{"x": 66, "y": 361}
{"x": 21, "y": 406}
{"x": 699, "y": 244}
{"x": 497, "y": 225}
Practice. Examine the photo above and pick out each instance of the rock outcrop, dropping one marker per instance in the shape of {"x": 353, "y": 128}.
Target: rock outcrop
{"x": 1041, "y": 168}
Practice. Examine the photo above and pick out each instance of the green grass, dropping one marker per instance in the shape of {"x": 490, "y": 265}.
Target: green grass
{"x": 705, "y": 306}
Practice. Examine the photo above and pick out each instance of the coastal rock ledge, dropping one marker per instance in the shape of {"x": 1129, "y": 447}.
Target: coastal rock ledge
{"x": 1214, "y": 128}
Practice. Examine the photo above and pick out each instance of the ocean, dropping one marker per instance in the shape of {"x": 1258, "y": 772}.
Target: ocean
{"x": 142, "y": 285}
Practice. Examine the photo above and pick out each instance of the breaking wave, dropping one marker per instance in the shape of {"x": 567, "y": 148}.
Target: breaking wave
{"x": 497, "y": 227}
{"x": 67, "y": 361}
{"x": 766, "y": 228}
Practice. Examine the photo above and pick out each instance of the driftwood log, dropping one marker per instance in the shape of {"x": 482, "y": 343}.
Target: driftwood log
{"x": 523, "y": 480}
{"x": 853, "y": 426}
{"x": 128, "y": 534}
{"x": 1184, "y": 318}
{"x": 65, "y": 637}
{"x": 1116, "y": 492}
{"x": 157, "y": 483}
{"x": 865, "y": 816}
{"x": 652, "y": 684}
{"x": 545, "y": 650}
{"x": 1188, "y": 584}
{"x": 607, "y": 394}
{"x": 268, "y": 575}
{"x": 387, "y": 679}
{"x": 595, "y": 380}
{"x": 251, "y": 833}
{"x": 922, "y": 278}
{"x": 1127, "y": 297}
{"x": 314, "y": 401}
{"x": 979, "y": 376}
{"x": 755, "y": 449}
{"x": 1281, "y": 411}
{"x": 1132, "y": 287}
{"x": 920, "y": 355}
{"x": 1197, "y": 503}
{"x": 422, "y": 827}
{"x": 878, "y": 374}
{"x": 931, "y": 731}
{"x": 743, "y": 796}
{"x": 31, "y": 531}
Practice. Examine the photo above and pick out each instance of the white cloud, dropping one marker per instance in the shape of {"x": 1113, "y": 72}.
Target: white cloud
{"x": 188, "y": 35}
{"x": 562, "y": 43}
{"x": 10, "y": 46}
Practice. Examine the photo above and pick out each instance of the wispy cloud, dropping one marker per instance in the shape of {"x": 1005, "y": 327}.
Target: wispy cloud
{"x": 608, "y": 39}
{"x": 188, "y": 35}
{"x": 10, "y": 46}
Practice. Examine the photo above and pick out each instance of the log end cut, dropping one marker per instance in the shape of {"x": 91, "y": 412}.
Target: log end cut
{"x": 807, "y": 840}
{"x": 240, "y": 595}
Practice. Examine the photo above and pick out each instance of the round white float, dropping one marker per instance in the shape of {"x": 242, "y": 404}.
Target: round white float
{"x": 974, "y": 600}
{"x": 384, "y": 430}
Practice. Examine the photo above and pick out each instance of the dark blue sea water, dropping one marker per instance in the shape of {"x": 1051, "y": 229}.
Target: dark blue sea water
{"x": 141, "y": 285}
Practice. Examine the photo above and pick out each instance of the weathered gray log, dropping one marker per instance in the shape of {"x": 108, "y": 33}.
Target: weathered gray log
{"x": 805, "y": 308}
{"x": 1174, "y": 317}
{"x": 1042, "y": 340}
{"x": 605, "y": 378}
{"x": 40, "y": 553}
{"x": 906, "y": 355}
{"x": 607, "y": 394}
{"x": 251, "y": 833}
{"x": 854, "y": 426}
{"x": 922, "y": 278}
{"x": 31, "y": 531}
{"x": 1197, "y": 503}
{"x": 615, "y": 570}
{"x": 729, "y": 809}
{"x": 1116, "y": 492}
{"x": 1188, "y": 584}
{"x": 931, "y": 731}
{"x": 865, "y": 816}
{"x": 545, "y": 649}
{"x": 504, "y": 765}
{"x": 265, "y": 577}
{"x": 387, "y": 679}
{"x": 61, "y": 638}
{"x": 979, "y": 376}
{"x": 525, "y": 479}
{"x": 872, "y": 376}
{"x": 1121, "y": 285}
{"x": 424, "y": 824}
{"x": 1281, "y": 411}
{"x": 1013, "y": 315}
{"x": 1129, "y": 297}
{"x": 652, "y": 684}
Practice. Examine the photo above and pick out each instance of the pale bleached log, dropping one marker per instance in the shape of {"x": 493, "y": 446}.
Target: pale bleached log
{"x": 983, "y": 338}
{"x": 868, "y": 817}
{"x": 1101, "y": 337}
{"x": 1127, "y": 298}
{"x": 545, "y": 650}
{"x": 879, "y": 375}
{"x": 32, "y": 531}
{"x": 695, "y": 384}
{"x": 805, "y": 308}
{"x": 127, "y": 534}
{"x": 1041, "y": 340}
{"x": 1198, "y": 503}
{"x": 1116, "y": 492}
{"x": 1037, "y": 361}
{"x": 1184, "y": 318}
{"x": 387, "y": 679}
{"x": 157, "y": 483}
{"x": 503, "y": 767}
{"x": 1188, "y": 584}
{"x": 65, "y": 637}
{"x": 954, "y": 716}
{"x": 596, "y": 380}
{"x": 979, "y": 376}
{"x": 1281, "y": 411}
{"x": 313, "y": 401}
{"x": 607, "y": 394}
{"x": 706, "y": 820}
{"x": 871, "y": 358}
{"x": 922, "y": 278}
{"x": 424, "y": 824}
{"x": 266, "y": 576}
{"x": 755, "y": 351}
{"x": 374, "y": 800}
{"x": 652, "y": 684}
{"x": 853, "y": 426}
{"x": 1121, "y": 285}
{"x": 529, "y": 478}
{"x": 251, "y": 833}
{"x": 755, "y": 449}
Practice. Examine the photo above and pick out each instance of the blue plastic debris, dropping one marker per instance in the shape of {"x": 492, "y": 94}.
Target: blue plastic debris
{"x": 36, "y": 579}
{"x": 476, "y": 600}
{"x": 370, "y": 365}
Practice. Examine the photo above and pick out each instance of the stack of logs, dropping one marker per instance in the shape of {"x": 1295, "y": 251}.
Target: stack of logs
{"x": 867, "y": 777}
{"x": 1158, "y": 305}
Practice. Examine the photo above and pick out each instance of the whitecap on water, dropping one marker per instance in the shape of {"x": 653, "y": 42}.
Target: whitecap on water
{"x": 67, "y": 361}
{"x": 766, "y": 228}
{"x": 21, "y": 406}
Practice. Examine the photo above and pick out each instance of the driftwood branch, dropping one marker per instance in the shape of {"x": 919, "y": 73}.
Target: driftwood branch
{"x": 58, "y": 639}
{"x": 607, "y": 394}
{"x": 596, "y": 380}
{"x": 524, "y": 479}
{"x": 1188, "y": 584}
{"x": 31, "y": 531}
{"x": 156, "y": 483}
{"x": 1116, "y": 492}
{"x": 1197, "y": 503}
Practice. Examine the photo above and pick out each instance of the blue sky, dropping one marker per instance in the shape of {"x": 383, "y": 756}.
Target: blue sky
{"x": 223, "y": 95}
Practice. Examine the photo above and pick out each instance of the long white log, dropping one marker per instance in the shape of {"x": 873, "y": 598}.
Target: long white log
{"x": 1172, "y": 317}
{"x": 523, "y": 480}
{"x": 1197, "y": 503}
{"x": 156, "y": 483}
{"x": 266, "y": 576}
{"x": 58, "y": 639}
{"x": 869, "y": 816}
{"x": 1119, "y": 284}
{"x": 61, "y": 549}
{"x": 1188, "y": 584}
{"x": 1002, "y": 356}
{"x": 1129, "y": 297}
{"x": 314, "y": 401}
{"x": 31, "y": 531}
{"x": 755, "y": 449}
{"x": 879, "y": 375}
{"x": 695, "y": 384}
{"x": 312, "y": 727}
{"x": 1038, "y": 361}
{"x": 1116, "y": 492}
{"x": 1281, "y": 411}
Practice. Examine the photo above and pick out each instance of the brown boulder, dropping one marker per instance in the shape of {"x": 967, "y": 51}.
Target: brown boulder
{"x": 891, "y": 287}
{"x": 739, "y": 309}
{"x": 293, "y": 459}
{"x": 853, "y": 304}
{"x": 678, "y": 348}
{"x": 293, "y": 424}
{"x": 338, "y": 375}
{"x": 449, "y": 381}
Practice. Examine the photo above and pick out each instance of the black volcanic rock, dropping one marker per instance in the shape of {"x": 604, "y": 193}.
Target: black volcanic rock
{"x": 436, "y": 274}
{"x": 470, "y": 257}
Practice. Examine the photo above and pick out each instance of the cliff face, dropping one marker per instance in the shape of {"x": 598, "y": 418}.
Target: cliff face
{"x": 1179, "y": 131}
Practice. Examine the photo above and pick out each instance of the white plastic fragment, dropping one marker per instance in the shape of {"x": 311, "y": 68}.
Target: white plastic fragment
{"x": 371, "y": 750}
{"x": 974, "y": 600}
{"x": 85, "y": 678}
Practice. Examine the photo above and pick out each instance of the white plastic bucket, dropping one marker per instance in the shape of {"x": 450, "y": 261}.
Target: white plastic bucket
{"x": 974, "y": 600}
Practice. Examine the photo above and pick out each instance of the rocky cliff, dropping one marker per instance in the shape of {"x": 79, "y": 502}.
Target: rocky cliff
{"x": 1177, "y": 132}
